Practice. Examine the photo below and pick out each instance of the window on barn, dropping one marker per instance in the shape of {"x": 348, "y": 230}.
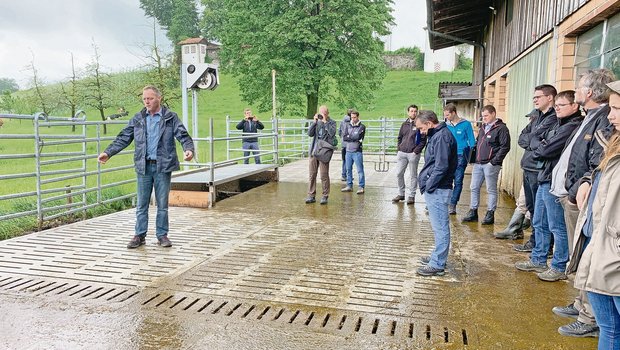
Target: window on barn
{"x": 509, "y": 11}
{"x": 599, "y": 47}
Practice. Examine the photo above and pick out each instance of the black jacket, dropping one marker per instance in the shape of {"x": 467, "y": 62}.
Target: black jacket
{"x": 439, "y": 160}
{"x": 586, "y": 153}
{"x": 353, "y": 136}
{"x": 492, "y": 147}
{"x": 250, "y": 127}
{"x": 553, "y": 142}
{"x": 410, "y": 139}
{"x": 532, "y": 135}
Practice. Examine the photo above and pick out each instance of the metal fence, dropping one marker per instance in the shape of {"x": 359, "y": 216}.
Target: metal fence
{"x": 51, "y": 170}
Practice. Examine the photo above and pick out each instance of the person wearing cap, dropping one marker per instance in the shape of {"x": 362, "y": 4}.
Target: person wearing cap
{"x": 598, "y": 271}
{"x": 581, "y": 155}
{"x": 529, "y": 140}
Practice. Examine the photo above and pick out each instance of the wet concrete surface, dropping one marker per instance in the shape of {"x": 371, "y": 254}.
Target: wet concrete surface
{"x": 263, "y": 270}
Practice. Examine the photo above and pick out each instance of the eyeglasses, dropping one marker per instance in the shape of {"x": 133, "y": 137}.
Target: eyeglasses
{"x": 560, "y": 105}
{"x": 537, "y": 97}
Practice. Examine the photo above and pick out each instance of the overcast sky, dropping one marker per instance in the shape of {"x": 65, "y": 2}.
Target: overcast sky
{"x": 51, "y": 30}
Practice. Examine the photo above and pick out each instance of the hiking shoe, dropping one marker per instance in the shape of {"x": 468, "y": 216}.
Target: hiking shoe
{"x": 164, "y": 241}
{"x": 489, "y": 218}
{"x": 530, "y": 266}
{"x": 566, "y": 311}
{"x": 425, "y": 260}
{"x": 136, "y": 241}
{"x": 310, "y": 200}
{"x": 343, "y": 179}
{"x": 410, "y": 201}
{"x": 452, "y": 209}
{"x": 324, "y": 200}
{"x": 524, "y": 248}
{"x": 398, "y": 199}
{"x": 360, "y": 191}
{"x": 346, "y": 189}
{"x": 552, "y": 275}
{"x": 472, "y": 216}
{"x": 430, "y": 271}
{"x": 579, "y": 329}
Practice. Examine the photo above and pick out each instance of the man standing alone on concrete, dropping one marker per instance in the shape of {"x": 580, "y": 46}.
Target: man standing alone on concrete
{"x": 323, "y": 133}
{"x": 464, "y": 134}
{"x": 436, "y": 185}
{"x": 154, "y": 129}
{"x": 492, "y": 146}
{"x": 250, "y": 125}
{"x": 410, "y": 145}
{"x": 353, "y": 135}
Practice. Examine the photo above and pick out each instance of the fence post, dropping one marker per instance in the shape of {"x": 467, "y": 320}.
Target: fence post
{"x": 37, "y": 160}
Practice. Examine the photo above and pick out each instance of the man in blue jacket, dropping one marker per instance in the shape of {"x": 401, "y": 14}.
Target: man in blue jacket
{"x": 465, "y": 141}
{"x": 435, "y": 181}
{"x": 154, "y": 129}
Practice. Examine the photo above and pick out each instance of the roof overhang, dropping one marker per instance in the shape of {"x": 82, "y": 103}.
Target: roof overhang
{"x": 464, "y": 19}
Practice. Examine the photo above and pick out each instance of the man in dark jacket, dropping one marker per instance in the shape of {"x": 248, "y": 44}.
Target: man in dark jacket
{"x": 323, "y": 128}
{"x": 353, "y": 134}
{"x": 154, "y": 129}
{"x": 345, "y": 120}
{"x": 581, "y": 155}
{"x": 529, "y": 140}
{"x": 410, "y": 145}
{"x": 548, "y": 213}
{"x": 436, "y": 185}
{"x": 492, "y": 146}
{"x": 250, "y": 126}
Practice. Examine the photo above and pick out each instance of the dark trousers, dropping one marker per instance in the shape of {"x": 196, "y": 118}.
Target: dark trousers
{"x": 530, "y": 187}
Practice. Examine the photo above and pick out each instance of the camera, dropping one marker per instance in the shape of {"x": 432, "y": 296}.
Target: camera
{"x": 320, "y": 116}
{"x": 250, "y": 118}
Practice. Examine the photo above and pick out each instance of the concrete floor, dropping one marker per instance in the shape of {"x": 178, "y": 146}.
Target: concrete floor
{"x": 263, "y": 270}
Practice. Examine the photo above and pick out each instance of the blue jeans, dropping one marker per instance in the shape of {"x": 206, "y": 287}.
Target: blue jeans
{"x": 250, "y": 146}
{"x": 356, "y": 158}
{"x": 607, "y": 313}
{"x": 488, "y": 173}
{"x": 437, "y": 203}
{"x": 161, "y": 182}
{"x": 458, "y": 178}
{"x": 549, "y": 222}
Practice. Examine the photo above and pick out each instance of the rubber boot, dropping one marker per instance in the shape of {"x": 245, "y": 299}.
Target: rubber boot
{"x": 527, "y": 223}
{"x": 514, "y": 228}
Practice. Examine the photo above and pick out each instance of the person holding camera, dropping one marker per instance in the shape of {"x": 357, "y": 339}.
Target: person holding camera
{"x": 250, "y": 125}
{"x": 323, "y": 133}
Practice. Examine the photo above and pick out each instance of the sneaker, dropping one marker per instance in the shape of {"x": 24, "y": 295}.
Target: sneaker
{"x": 579, "y": 329}
{"x": 164, "y": 241}
{"x": 310, "y": 199}
{"x": 552, "y": 275}
{"x": 360, "y": 191}
{"x": 425, "y": 260}
{"x": 430, "y": 271}
{"x": 411, "y": 201}
{"x": 524, "y": 248}
{"x": 452, "y": 209}
{"x": 346, "y": 189}
{"x": 136, "y": 241}
{"x": 398, "y": 199}
{"x": 566, "y": 311}
{"x": 530, "y": 266}
{"x": 343, "y": 179}
{"x": 324, "y": 200}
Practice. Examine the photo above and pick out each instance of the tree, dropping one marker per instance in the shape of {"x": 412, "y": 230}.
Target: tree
{"x": 462, "y": 61}
{"x": 41, "y": 98}
{"x": 69, "y": 92}
{"x": 315, "y": 47}
{"x": 97, "y": 87}
{"x": 8, "y": 84}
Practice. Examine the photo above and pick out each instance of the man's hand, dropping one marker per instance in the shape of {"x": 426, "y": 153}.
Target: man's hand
{"x": 582, "y": 194}
{"x": 103, "y": 158}
{"x": 188, "y": 155}
{"x": 255, "y": 118}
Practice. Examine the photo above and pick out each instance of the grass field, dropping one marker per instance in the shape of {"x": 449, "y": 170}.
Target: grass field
{"x": 400, "y": 89}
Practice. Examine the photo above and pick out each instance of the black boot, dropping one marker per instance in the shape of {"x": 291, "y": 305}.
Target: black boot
{"x": 472, "y": 216}
{"x": 527, "y": 223}
{"x": 489, "y": 218}
{"x": 513, "y": 230}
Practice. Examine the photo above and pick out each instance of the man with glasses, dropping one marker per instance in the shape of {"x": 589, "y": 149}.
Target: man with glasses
{"x": 530, "y": 139}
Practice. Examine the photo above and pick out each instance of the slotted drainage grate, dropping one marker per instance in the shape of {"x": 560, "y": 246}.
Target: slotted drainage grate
{"x": 335, "y": 321}
{"x": 76, "y": 289}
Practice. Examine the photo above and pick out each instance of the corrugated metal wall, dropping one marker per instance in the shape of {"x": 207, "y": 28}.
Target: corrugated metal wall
{"x": 524, "y": 75}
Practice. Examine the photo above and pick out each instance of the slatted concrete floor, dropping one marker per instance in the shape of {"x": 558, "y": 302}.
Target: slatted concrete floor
{"x": 265, "y": 258}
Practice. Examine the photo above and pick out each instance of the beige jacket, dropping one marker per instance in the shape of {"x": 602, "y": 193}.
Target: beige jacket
{"x": 598, "y": 269}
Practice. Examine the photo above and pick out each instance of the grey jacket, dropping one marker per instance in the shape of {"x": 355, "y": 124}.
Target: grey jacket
{"x": 170, "y": 127}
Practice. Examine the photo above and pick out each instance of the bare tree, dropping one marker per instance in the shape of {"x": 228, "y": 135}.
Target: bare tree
{"x": 69, "y": 92}
{"x": 41, "y": 97}
{"x": 98, "y": 86}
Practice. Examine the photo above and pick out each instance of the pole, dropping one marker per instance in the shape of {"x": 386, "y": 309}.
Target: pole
{"x": 194, "y": 123}
{"x": 273, "y": 93}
